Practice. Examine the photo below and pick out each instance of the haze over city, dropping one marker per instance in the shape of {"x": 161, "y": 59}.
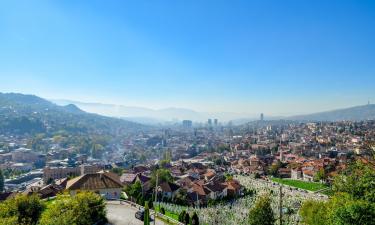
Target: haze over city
{"x": 246, "y": 57}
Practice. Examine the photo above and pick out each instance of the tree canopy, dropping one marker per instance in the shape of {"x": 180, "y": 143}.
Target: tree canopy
{"x": 21, "y": 210}
{"x": 352, "y": 203}
{"x": 261, "y": 213}
{"x": 83, "y": 208}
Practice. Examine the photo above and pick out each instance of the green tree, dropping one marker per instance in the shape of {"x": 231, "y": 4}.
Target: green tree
{"x": 181, "y": 216}
{"x": 180, "y": 197}
{"x": 345, "y": 210}
{"x": 163, "y": 176}
{"x": 81, "y": 209}
{"x": 9, "y": 221}
{"x": 320, "y": 175}
{"x": 195, "y": 219}
{"x": 146, "y": 219}
{"x": 134, "y": 190}
{"x": 314, "y": 213}
{"x": 274, "y": 168}
{"x": 357, "y": 181}
{"x": 1, "y": 181}
{"x": 261, "y": 213}
{"x": 24, "y": 209}
{"x": 352, "y": 203}
{"x": 187, "y": 218}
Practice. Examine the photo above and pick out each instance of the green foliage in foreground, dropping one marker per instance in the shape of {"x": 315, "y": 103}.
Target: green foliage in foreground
{"x": 21, "y": 210}
{"x": 310, "y": 186}
{"x": 146, "y": 219}
{"x": 314, "y": 212}
{"x": 353, "y": 202}
{"x": 168, "y": 213}
{"x": 261, "y": 213}
{"x": 82, "y": 209}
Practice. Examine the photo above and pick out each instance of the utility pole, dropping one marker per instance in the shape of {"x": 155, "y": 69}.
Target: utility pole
{"x": 156, "y": 195}
{"x": 281, "y": 205}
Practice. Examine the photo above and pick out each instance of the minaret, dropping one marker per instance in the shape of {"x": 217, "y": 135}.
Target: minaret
{"x": 281, "y": 153}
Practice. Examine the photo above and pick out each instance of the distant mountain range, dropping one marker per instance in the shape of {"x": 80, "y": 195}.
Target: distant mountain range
{"x": 22, "y": 114}
{"x": 357, "y": 113}
{"x": 150, "y": 116}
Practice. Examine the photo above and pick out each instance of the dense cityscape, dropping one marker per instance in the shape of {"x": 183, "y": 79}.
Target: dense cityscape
{"x": 172, "y": 112}
{"x": 213, "y": 171}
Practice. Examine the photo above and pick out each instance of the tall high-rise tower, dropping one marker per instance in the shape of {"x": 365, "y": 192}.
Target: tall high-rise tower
{"x": 209, "y": 121}
{"x": 261, "y": 117}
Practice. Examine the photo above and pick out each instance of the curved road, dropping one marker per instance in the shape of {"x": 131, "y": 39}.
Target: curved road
{"x": 124, "y": 214}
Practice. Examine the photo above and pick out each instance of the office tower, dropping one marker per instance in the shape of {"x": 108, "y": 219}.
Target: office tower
{"x": 187, "y": 123}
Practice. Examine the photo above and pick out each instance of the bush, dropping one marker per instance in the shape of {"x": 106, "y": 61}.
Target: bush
{"x": 83, "y": 208}
{"x": 187, "y": 218}
{"x": 261, "y": 213}
{"x": 195, "y": 219}
{"x": 181, "y": 216}
{"x": 314, "y": 213}
{"x": 352, "y": 203}
{"x": 22, "y": 209}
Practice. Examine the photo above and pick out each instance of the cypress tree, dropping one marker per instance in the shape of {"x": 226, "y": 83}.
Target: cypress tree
{"x": 195, "y": 219}
{"x": 146, "y": 219}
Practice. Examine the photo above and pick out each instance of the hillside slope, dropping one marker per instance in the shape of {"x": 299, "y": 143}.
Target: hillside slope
{"x": 20, "y": 114}
{"x": 357, "y": 113}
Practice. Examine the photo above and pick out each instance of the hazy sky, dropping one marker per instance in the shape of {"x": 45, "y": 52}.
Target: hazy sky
{"x": 277, "y": 57}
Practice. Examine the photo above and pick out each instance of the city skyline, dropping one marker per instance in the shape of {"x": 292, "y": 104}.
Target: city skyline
{"x": 246, "y": 57}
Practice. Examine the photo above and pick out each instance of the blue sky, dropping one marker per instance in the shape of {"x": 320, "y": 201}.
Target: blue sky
{"x": 277, "y": 57}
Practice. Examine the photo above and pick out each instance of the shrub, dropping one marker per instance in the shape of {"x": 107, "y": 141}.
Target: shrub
{"x": 261, "y": 213}
{"x": 83, "y": 208}
{"x": 181, "y": 216}
{"x": 195, "y": 219}
{"x": 187, "y": 218}
{"x": 23, "y": 209}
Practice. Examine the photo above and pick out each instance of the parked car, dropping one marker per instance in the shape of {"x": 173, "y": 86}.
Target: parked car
{"x": 140, "y": 214}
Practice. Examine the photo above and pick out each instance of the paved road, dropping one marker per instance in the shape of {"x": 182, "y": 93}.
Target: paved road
{"x": 123, "y": 214}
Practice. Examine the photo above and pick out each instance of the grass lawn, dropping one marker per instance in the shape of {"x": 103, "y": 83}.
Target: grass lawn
{"x": 310, "y": 186}
{"x": 167, "y": 213}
